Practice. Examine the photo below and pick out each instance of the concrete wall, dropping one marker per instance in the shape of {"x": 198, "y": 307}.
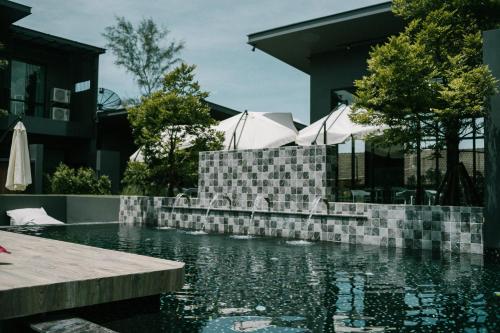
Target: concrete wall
{"x": 66, "y": 208}
{"x": 492, "y": 144}
{"x": 54, "y": 205}
{"x": 92, "y": 208}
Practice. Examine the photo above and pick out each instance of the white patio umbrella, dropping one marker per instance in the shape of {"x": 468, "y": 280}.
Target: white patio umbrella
{"x": 257, "y": 130}
{"x": 19, "y": 170}
{"x": 249, "y": 130}
{"x": 335, "y": 128}
{"x": 137, "y": 156}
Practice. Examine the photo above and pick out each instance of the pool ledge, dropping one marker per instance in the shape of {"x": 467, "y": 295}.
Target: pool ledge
{"x": 43, "y": 275}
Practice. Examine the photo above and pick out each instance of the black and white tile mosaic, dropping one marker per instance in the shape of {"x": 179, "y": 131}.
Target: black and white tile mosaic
{"x": 290, "y": 177}
{"x": 445, "y": 229}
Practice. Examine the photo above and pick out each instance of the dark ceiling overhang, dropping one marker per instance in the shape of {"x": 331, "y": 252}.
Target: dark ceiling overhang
{"x": 295, "y": 44}
{"x": 11, "y": 12}
{"x": 46, "y": 40}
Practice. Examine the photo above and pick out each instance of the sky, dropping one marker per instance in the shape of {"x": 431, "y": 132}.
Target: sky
{"x": 215, "y": 38}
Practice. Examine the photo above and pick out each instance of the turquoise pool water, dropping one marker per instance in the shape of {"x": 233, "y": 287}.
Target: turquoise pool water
{"x": 268, "y": 285}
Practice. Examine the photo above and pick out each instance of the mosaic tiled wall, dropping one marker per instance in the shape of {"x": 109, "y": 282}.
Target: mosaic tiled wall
{"x": 289, "y": 176}
{"x": 445, "y": 229}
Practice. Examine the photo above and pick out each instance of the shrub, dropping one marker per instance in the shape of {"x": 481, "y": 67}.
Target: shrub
{"x": 136, "y": 179}
{"x": 66, "y": 180}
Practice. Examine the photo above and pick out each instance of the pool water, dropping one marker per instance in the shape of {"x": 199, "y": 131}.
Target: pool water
{"x": 268, "y": 285}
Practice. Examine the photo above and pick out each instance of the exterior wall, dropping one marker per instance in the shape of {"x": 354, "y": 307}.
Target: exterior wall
{"x": 66, "y": 208}
{"x": 333, "y": 71}
{"x": 445, "y": 229}
{"x": 492, "y": 144}
{"x": 290, "y": 177}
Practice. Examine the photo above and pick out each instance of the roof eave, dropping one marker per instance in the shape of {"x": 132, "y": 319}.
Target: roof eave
{"x": 51, "y": 38}
{"x": 318, "y": 22}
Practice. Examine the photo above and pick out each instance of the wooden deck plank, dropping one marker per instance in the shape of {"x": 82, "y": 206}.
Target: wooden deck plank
{"x": 43, "y": 275}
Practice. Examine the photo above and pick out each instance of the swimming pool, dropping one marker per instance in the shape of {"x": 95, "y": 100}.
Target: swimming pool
{"x": 269, "y": 285}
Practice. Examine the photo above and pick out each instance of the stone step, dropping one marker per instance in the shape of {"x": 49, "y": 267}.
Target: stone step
{"x": 69, "y": 325}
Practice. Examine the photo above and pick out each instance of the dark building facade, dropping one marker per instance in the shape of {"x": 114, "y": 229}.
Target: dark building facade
{"x": 51, "y": 83}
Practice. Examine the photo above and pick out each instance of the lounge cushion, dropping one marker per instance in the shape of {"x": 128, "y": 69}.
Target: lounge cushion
{"x": 30, "y": 216}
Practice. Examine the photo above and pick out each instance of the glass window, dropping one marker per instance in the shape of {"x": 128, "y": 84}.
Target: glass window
{"x": 342, "y": 96}
{"x": 27, "y": 89}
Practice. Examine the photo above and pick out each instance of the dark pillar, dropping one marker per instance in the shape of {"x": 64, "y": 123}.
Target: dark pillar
{"x": 491, "y": 228}
{"x": 108, "y": 163}
{"x": 36, "y": 156}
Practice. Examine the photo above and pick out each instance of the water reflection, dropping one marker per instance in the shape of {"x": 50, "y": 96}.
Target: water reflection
{"x": 319, "y": 288}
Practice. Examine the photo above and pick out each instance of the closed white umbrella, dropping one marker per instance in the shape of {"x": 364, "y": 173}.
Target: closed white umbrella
{"x": 257, "y": 130}
{"x": 19, "y": 171}
{"x": 339, "y": 128}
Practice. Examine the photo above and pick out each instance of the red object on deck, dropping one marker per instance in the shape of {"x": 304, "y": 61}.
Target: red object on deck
{"x": 3, "y": 250}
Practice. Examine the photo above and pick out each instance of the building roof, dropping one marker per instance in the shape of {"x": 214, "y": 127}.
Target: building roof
{"x": 294, "y": 44}
{"x": 221, "y": 112}
{"x": 11, "y": 12}
{"x": 47, "y": 40}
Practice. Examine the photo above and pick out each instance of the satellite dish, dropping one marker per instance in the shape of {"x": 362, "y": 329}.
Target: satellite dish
{"x": 108, "y": 100}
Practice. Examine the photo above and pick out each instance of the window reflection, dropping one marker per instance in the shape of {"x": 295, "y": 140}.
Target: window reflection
{"x": 27, "y": 90}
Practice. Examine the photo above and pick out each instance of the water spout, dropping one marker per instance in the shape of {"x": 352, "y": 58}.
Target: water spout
{"x": 212, "y": 203}
{"x": 176, "y": 202}
{"x": 258, "y": 201}
{"x": 314, "y": 206}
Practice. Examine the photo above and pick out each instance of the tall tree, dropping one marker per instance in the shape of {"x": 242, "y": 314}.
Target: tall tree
{"x": 141, "y": 51}
{"x": 438, "y": 60}
{"x": 164, "y": 122}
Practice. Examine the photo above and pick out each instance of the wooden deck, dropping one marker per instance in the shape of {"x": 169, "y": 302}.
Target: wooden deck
{"x": 43, "y": 275}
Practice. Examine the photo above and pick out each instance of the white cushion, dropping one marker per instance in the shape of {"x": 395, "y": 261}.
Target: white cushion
{"x": 30, "y": 216}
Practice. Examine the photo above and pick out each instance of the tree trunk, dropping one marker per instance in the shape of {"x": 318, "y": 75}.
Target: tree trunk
{"x": 451, "y": 195}
{"x": 418, "y": 192}
{"x": 172, "y": 176}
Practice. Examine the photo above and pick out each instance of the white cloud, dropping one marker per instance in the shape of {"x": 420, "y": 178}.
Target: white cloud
{"x": 215, "y": 36}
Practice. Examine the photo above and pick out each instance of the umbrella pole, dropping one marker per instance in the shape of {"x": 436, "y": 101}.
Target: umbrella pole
{"x": 372, "y": 171}
{"x": 353, "y": 161}
{"x": 324, "y": 133}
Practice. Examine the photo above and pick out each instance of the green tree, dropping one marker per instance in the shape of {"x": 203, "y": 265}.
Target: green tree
{"x": 163, "y": 122}
{"x": 430, "y": 80}
{"x": 140, "y": 51}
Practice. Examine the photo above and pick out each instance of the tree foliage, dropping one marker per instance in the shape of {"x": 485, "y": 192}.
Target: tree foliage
{"x": 429, "y": 80}
{"x": 163, "y": 123}
{"x": 140, "y": 51}
{"x": 66, "y": 180}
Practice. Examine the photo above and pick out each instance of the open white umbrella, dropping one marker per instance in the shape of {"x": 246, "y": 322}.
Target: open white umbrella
{"x": 19, "y": 170}
{"x": 257, "y": 130}
{"x": 335, "y": 128}
{"x": 248, "y": 130}
{"x": 138, "y": 157}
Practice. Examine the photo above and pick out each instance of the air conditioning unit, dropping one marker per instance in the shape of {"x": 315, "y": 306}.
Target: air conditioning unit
{"x": 61, "y": 95}
{"x": 60, "y": 114}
